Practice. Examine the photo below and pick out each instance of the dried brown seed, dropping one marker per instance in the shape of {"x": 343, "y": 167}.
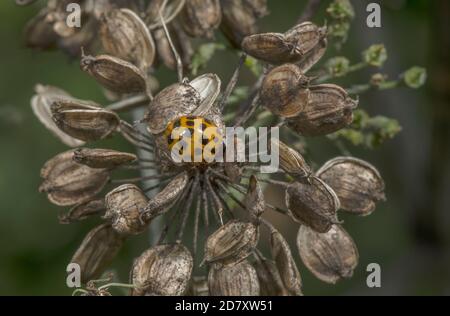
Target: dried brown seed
{"x": 198, "y": 287}
{"x": 313, "y": 56}
{"x": 115, "y": 74}
{"x": 269, "y": 278}
{"x": 330, "y": 256}
{"x": 240, "y": 17}
{"x": 123, "y": 207}
{"x": 284, "y": 91}
{"x": 87, "y": 125}
{"x": 69, "y": 103}
{"x": 163, "y": 270}
{"x": 234, "y": 280}
{"x": 304, "y": 37}
{"x": 96, "y": 252}
{"x": 231, "y": 243}
{"x": 312, "y": 202}
{"x": 102, "y": 158}
{"x": 208, "y": 87}
{"x": 125, "y": 35}
{"x": 170, "y": 12}
{"x": 329, "y": 109}
{"x": 357, "y": 183}
{"x": 254, "y": 200}
{"x": 39, "y": 33}
{"x": 83, "y": 211}
{"x": 292, "y": 162}
{"x": 165, "y": 199}
{"x": 68, "y": 183}
{"x": 41, "y": 104}
{"x": 84, "y": 38}
{"x": 201, "y": 17}
{"x": 281, "y": 254}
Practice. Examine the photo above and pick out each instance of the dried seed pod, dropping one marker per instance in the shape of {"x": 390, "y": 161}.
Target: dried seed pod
{"x": 123, "y": 34}
{"x": 292, "y": 162}
{"x": 69, "y": 103}
{"x": 170, "y": 12}
{"x": 102, "y": 158}
{"x": 281, "y": 254}
{"x": 254, "y": 200}
{"x": 330, "y": 256}
{"x": 313, "y": 203}
{"x": 84, "y": 38}
{"x": 312, "y": 57}
{"x": 269, "y": 278}
{"x": 41, "y": 104}
{"x": 201, "y": 17}
{"x": 162, "y": 270}
{"x": 208, "y": 87}
{"x": 123, "y": 207}
{"x": 115, "y": 74}
{"x": 165, "y": 199}
{"x": 96, "y": 252}
{"x": 235, "y": 280}
{"x": 231, "y": 243}
{"x": 329, "y": 109}
{"x": 290, "y": 47}
{"x": 87, "y": 125}
{"x": 357, "y": 183}
{"x": 284, "y": 91}
{"x": 39, "y": 34}
{"x": 198, "y": 287}
{"x": 68, "y": 183}
{"x": 83, "y": 211}
{"x": 240, "y": 17}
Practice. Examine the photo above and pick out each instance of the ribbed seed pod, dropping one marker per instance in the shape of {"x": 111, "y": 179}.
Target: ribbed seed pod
{"x": 68, "y": 183}
{"x": 164, "y": 270}
{"x": 87, "y": 125}
{"x": 330, "y": 256}
{"x": 123, "y": 34}
{"x": 284, "y": 91}
{"x": 102, "y": 158}
{"x": 239, "y": 18}
{"x": 235, "y": 280}
{"x": 165, "y": 199}
{"x": 231, "y": 243}
{"x": 41, "y": 105}
{"x": 201, "y": 17}
{"x": 123, "y": 207}
{"x": 284, "y": 261}
{"x": 292, "y": 162}
{"x": 96, "y": 252}
{"x": 313, "y": 56}
{"x": 115, "y": 74}
{"x": 254, "y": 199}
{"x": 198, "y": 287}
{"x": 39, "y": 34}
{"x": 313, "y": 203}
{"x": 357, "y": 183}
{"x": 83, "y": 211}
{"x": 270, "y": 282}
{"x": 329, "y": 109}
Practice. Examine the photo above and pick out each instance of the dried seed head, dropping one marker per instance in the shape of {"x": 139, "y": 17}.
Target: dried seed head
{"x": 68, "y": 183}
{"x": 115, "y": 74}
{"x": 102, "y": 158}
{"x": 254, "y": 200}
{"x": 240, "y": 17}
{"x": 87, "y": 125}
{"x": 41, "y": 104}
{"x": 290, "y": 47}
{"x": 165, "y": 199}
{"x": 201, "y": 17}
{"x": 96, "y": 252}
{"x": 284, "y": 91}
{"x": 357, "y": 183}
{"x": 313, "y": 56}
{"x": 83, "y": 211}
{"x": 330, "y": 256}
{"x": 123, "y": 207}
{"x": 198, "y": 287}
{"x": 123, "y": 34}
{"x": 231, "y": 243}
{"x": 162, "y": 270}
{"x": 313, "y": 203}
{"x": 281, "y": 254}
{"x": 235, "y": 280}
{"x": 292, "y": 162}
{"x": 269, "y": 278}
{"x": 329, "y": 109}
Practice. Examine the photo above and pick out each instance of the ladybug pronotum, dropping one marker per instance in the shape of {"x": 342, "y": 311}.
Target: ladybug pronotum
{"x": 193, "y": 139}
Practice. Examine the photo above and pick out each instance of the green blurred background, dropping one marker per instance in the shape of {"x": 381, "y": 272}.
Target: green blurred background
{"x": 408, "y": 236}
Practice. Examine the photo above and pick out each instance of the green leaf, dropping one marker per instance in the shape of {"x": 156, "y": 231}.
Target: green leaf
{"x": 203, "y": 55}
{"x": 415, "y": 77}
